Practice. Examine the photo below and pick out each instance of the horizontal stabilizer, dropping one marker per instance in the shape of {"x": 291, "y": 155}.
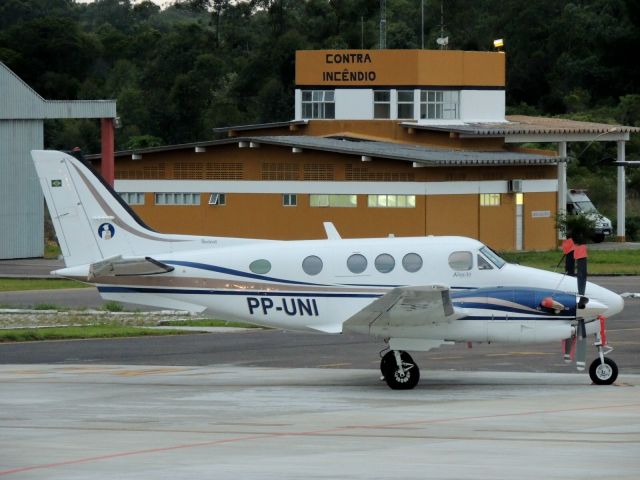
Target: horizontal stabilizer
{"x": 403, "y": 308}
{"x": 118, "y": 266}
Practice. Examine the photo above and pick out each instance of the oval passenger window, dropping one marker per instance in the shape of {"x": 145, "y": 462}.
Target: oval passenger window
{"x": 412, "y": 262}
{"x": 385, "y": 263}
{"x": 312, "y": 265}
{"x": 357, "y": 263}
{"x": 260, "y": 267}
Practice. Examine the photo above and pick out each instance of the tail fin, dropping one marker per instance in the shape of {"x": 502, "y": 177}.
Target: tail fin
{"x": 91, "y": 221}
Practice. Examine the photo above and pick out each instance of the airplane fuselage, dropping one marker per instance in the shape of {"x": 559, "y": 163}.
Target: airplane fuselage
{"x": 317, "y": 285}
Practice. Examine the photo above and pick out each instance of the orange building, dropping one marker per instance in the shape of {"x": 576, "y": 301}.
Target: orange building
{"x": 402, "y": 142}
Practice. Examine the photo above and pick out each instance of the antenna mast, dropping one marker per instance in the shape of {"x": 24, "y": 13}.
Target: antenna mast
{"x": 422, "y": 23}
{"x": 442, "y": 40}
{"x": 383, "y": 24}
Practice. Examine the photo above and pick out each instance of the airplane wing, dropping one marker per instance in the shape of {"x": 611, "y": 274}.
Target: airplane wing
{"x": 119, "y": 266}
{"x": 404, "y": 308}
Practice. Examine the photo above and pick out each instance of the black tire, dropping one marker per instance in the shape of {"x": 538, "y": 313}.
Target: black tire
{"x": 387, "y": 359}
{"x": 598, "y": 238}
{"x": 603, "y": 374}
{"x": 408, "y": 380}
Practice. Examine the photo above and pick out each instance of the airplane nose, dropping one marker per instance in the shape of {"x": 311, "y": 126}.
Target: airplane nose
{"x": 602, "y": 297}
{"x": 615, "y": 304}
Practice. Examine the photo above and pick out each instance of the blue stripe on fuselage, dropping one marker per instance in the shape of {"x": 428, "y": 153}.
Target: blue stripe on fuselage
{"x": 230, "y": 271}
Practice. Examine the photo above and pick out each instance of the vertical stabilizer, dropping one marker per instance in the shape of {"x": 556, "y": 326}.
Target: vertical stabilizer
{"x": 92, "y": 223}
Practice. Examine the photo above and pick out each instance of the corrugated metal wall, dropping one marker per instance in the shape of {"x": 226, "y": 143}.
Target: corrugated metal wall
{"x": 79, "y": 109}
{"x": 21, "y": 200}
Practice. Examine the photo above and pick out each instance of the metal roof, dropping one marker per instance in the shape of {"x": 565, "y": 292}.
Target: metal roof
{"x": 522, "y": 124}
{"x": 427, "y": 156}
{"x": 19, "y": 101}
{"x": 260, "y": 126}
{"x": 420, "y": 155}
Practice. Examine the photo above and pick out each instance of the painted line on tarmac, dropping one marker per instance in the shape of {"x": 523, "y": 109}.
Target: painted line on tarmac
{"x": 334, "y": 430}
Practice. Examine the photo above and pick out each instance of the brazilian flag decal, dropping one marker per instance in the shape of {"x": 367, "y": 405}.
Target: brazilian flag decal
{"x": 56, "y": 183}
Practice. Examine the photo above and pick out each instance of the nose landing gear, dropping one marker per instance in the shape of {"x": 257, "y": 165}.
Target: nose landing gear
{"x": 603, "y": 370}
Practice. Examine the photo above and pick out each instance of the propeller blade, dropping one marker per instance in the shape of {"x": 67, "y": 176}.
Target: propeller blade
{"x": 580, "y": 255}
{"x": 569, "y": 262}
{"x": 581, "y": 345}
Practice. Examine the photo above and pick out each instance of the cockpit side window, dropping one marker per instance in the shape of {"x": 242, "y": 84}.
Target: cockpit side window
{"x": 461, "y": 261}
{"x": 483, "y": 263}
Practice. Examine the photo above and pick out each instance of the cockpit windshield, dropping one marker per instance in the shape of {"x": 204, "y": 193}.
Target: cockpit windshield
{"x": 493, "y": 257}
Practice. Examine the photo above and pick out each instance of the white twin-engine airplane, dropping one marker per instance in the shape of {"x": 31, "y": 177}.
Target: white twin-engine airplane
{"x": 413, "y": 293}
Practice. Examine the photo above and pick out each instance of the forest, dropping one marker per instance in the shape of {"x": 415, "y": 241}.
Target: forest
{"x": 181, "y": 70}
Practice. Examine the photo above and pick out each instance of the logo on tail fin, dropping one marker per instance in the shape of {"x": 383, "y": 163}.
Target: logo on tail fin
{"x": 106, "y": 231}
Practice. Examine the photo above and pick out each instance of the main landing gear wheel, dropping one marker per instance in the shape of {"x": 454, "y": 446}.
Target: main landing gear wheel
{"x": 603, "y": 373}
{"x": 399, "y": 378}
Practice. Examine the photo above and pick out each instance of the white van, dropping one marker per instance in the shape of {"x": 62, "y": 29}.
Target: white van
{"x": 579, "y": 203}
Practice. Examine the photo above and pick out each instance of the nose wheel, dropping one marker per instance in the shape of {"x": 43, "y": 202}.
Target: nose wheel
{"x": 399, "y": 370}
{"x": 603, "y": 371}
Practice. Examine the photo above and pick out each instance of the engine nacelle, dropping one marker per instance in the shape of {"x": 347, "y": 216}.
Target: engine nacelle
{"x": 533, "y": 331}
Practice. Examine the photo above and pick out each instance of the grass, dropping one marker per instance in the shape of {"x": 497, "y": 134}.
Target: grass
{"x": 600, "y": 262}
{"x": 19, "y": 284}
{"x": 70, "y": 333}
{"x": 113, "y": 306}
{"x": 51, "y": 250}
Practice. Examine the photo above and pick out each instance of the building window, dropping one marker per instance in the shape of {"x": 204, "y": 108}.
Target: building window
{"x": 318, "y": 104}
{"x": 382, "y": 104}
{"x": 177, "y": 198}
{"x": 132, "y": 198}
{"x": 439, "y": 104}
{"x": 392, "y": 201}
{"x": 325, "y": 200}
{"x": 405, "y": 104}
{"x": 289, "y": 199}
{"x": 217, "y": 199}
{"x": 489, "y": 199}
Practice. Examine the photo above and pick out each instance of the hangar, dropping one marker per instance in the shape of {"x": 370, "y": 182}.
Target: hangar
{"x": 383, "y": 142}
{"x": 22, "y": 115}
